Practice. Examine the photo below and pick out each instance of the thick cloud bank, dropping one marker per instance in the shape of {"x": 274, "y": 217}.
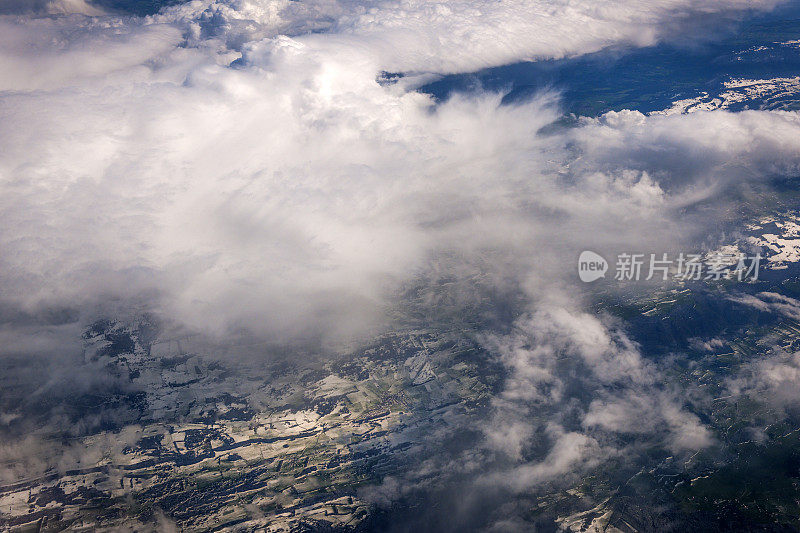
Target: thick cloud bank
{"x": 294, "y": 191}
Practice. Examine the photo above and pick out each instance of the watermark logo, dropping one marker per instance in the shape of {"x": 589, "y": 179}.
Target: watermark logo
{"x": 591, "y": 266}
{"x": 685, "y": 267}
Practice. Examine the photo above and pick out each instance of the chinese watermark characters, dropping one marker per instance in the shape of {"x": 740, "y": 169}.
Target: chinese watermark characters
{"x": 677, "y": 267}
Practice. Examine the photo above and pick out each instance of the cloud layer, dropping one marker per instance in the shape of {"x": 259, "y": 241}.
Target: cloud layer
{"x": 241, "y": 165}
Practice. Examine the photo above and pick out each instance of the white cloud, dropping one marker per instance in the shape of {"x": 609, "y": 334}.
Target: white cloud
{"x": 295, "y": 196}
{"x": 578, "y": 381}
{"x": 298, "y": 192}
{"x": 455, "y": 35}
